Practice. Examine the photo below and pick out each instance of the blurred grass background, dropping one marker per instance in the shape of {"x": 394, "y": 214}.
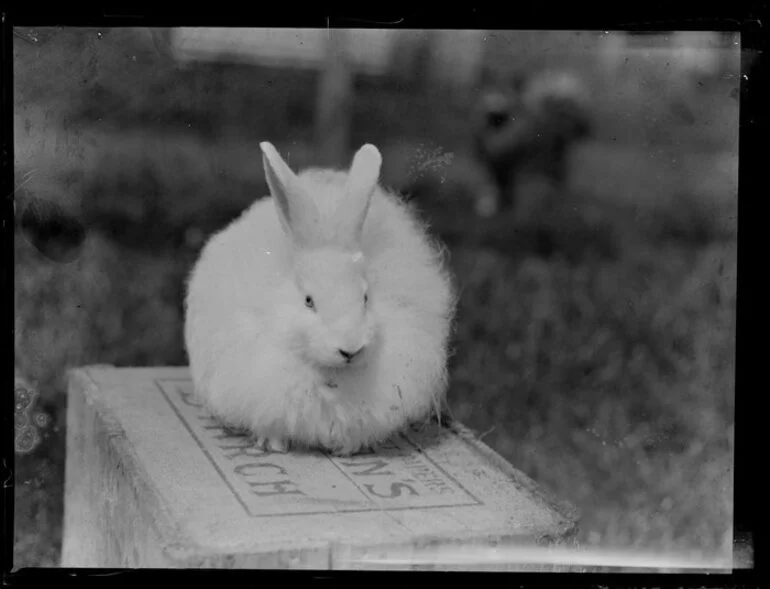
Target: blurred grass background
{"x": 595, "y": 339}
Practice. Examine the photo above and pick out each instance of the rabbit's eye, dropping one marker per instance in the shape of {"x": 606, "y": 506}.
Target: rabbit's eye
{"x": 309, "y": 302}
{"x": 366, "y": 298}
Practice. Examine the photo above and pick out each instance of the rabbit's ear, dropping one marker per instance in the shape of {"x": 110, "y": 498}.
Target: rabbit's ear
{"x": 297, "y": 212}
{"x": 362, "y": 180}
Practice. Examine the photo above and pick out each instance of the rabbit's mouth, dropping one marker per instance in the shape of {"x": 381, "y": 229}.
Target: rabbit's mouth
{"x": 327, "y": 362}
{"x": 336, "y": 367}
{"x": 333, "y": 356}
{"x": 337, "y": 364}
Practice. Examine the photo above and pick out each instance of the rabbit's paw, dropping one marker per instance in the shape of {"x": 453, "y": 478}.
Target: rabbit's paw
{"x": 333, "y": 444}
{"x": 345, "y": 451}
{"x": 273, "y": 444}
{"x": 342, "y": 446}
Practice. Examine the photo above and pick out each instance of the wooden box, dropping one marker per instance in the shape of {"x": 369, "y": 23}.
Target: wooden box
{"x": 152, "y": 480}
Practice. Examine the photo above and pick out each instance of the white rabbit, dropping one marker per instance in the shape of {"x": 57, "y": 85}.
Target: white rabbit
{"x": 321, "y": 317}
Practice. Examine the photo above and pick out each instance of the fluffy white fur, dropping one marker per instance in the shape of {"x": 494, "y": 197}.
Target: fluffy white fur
{"x": 264, "y": 361}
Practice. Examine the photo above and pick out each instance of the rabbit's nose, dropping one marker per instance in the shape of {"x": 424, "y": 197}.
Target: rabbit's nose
{"x": 350, "y": 355}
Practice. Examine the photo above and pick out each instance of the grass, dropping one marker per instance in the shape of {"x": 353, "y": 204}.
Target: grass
{"x": 610, "y": 384}
{"x": 595, "y": 340}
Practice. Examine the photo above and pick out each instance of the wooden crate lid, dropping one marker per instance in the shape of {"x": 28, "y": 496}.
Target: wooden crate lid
{"x": 224, "y": 496}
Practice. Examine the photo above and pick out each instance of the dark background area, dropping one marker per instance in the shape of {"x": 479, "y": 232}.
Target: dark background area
{"x": 595, "y": 336}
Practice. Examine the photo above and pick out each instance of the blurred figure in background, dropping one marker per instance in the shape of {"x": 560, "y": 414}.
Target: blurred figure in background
{"x": 527, "y": 126}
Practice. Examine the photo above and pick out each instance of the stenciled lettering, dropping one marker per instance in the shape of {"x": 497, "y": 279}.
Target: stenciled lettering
{"x": 225, "y": 434}
{"x": 278, "y": 488}
{"x": 394, "y": 475}
{"x": 214, "y": 425}
{"x": 409, "y": 475}
{"x": 426, "y": 475}
{"x": 395, "y": 490}
{"x": 374, "y": 468}
{"x": 235, "y": 446}
{"x": 241, "y": 468}
{"x": 243, "y": 450}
